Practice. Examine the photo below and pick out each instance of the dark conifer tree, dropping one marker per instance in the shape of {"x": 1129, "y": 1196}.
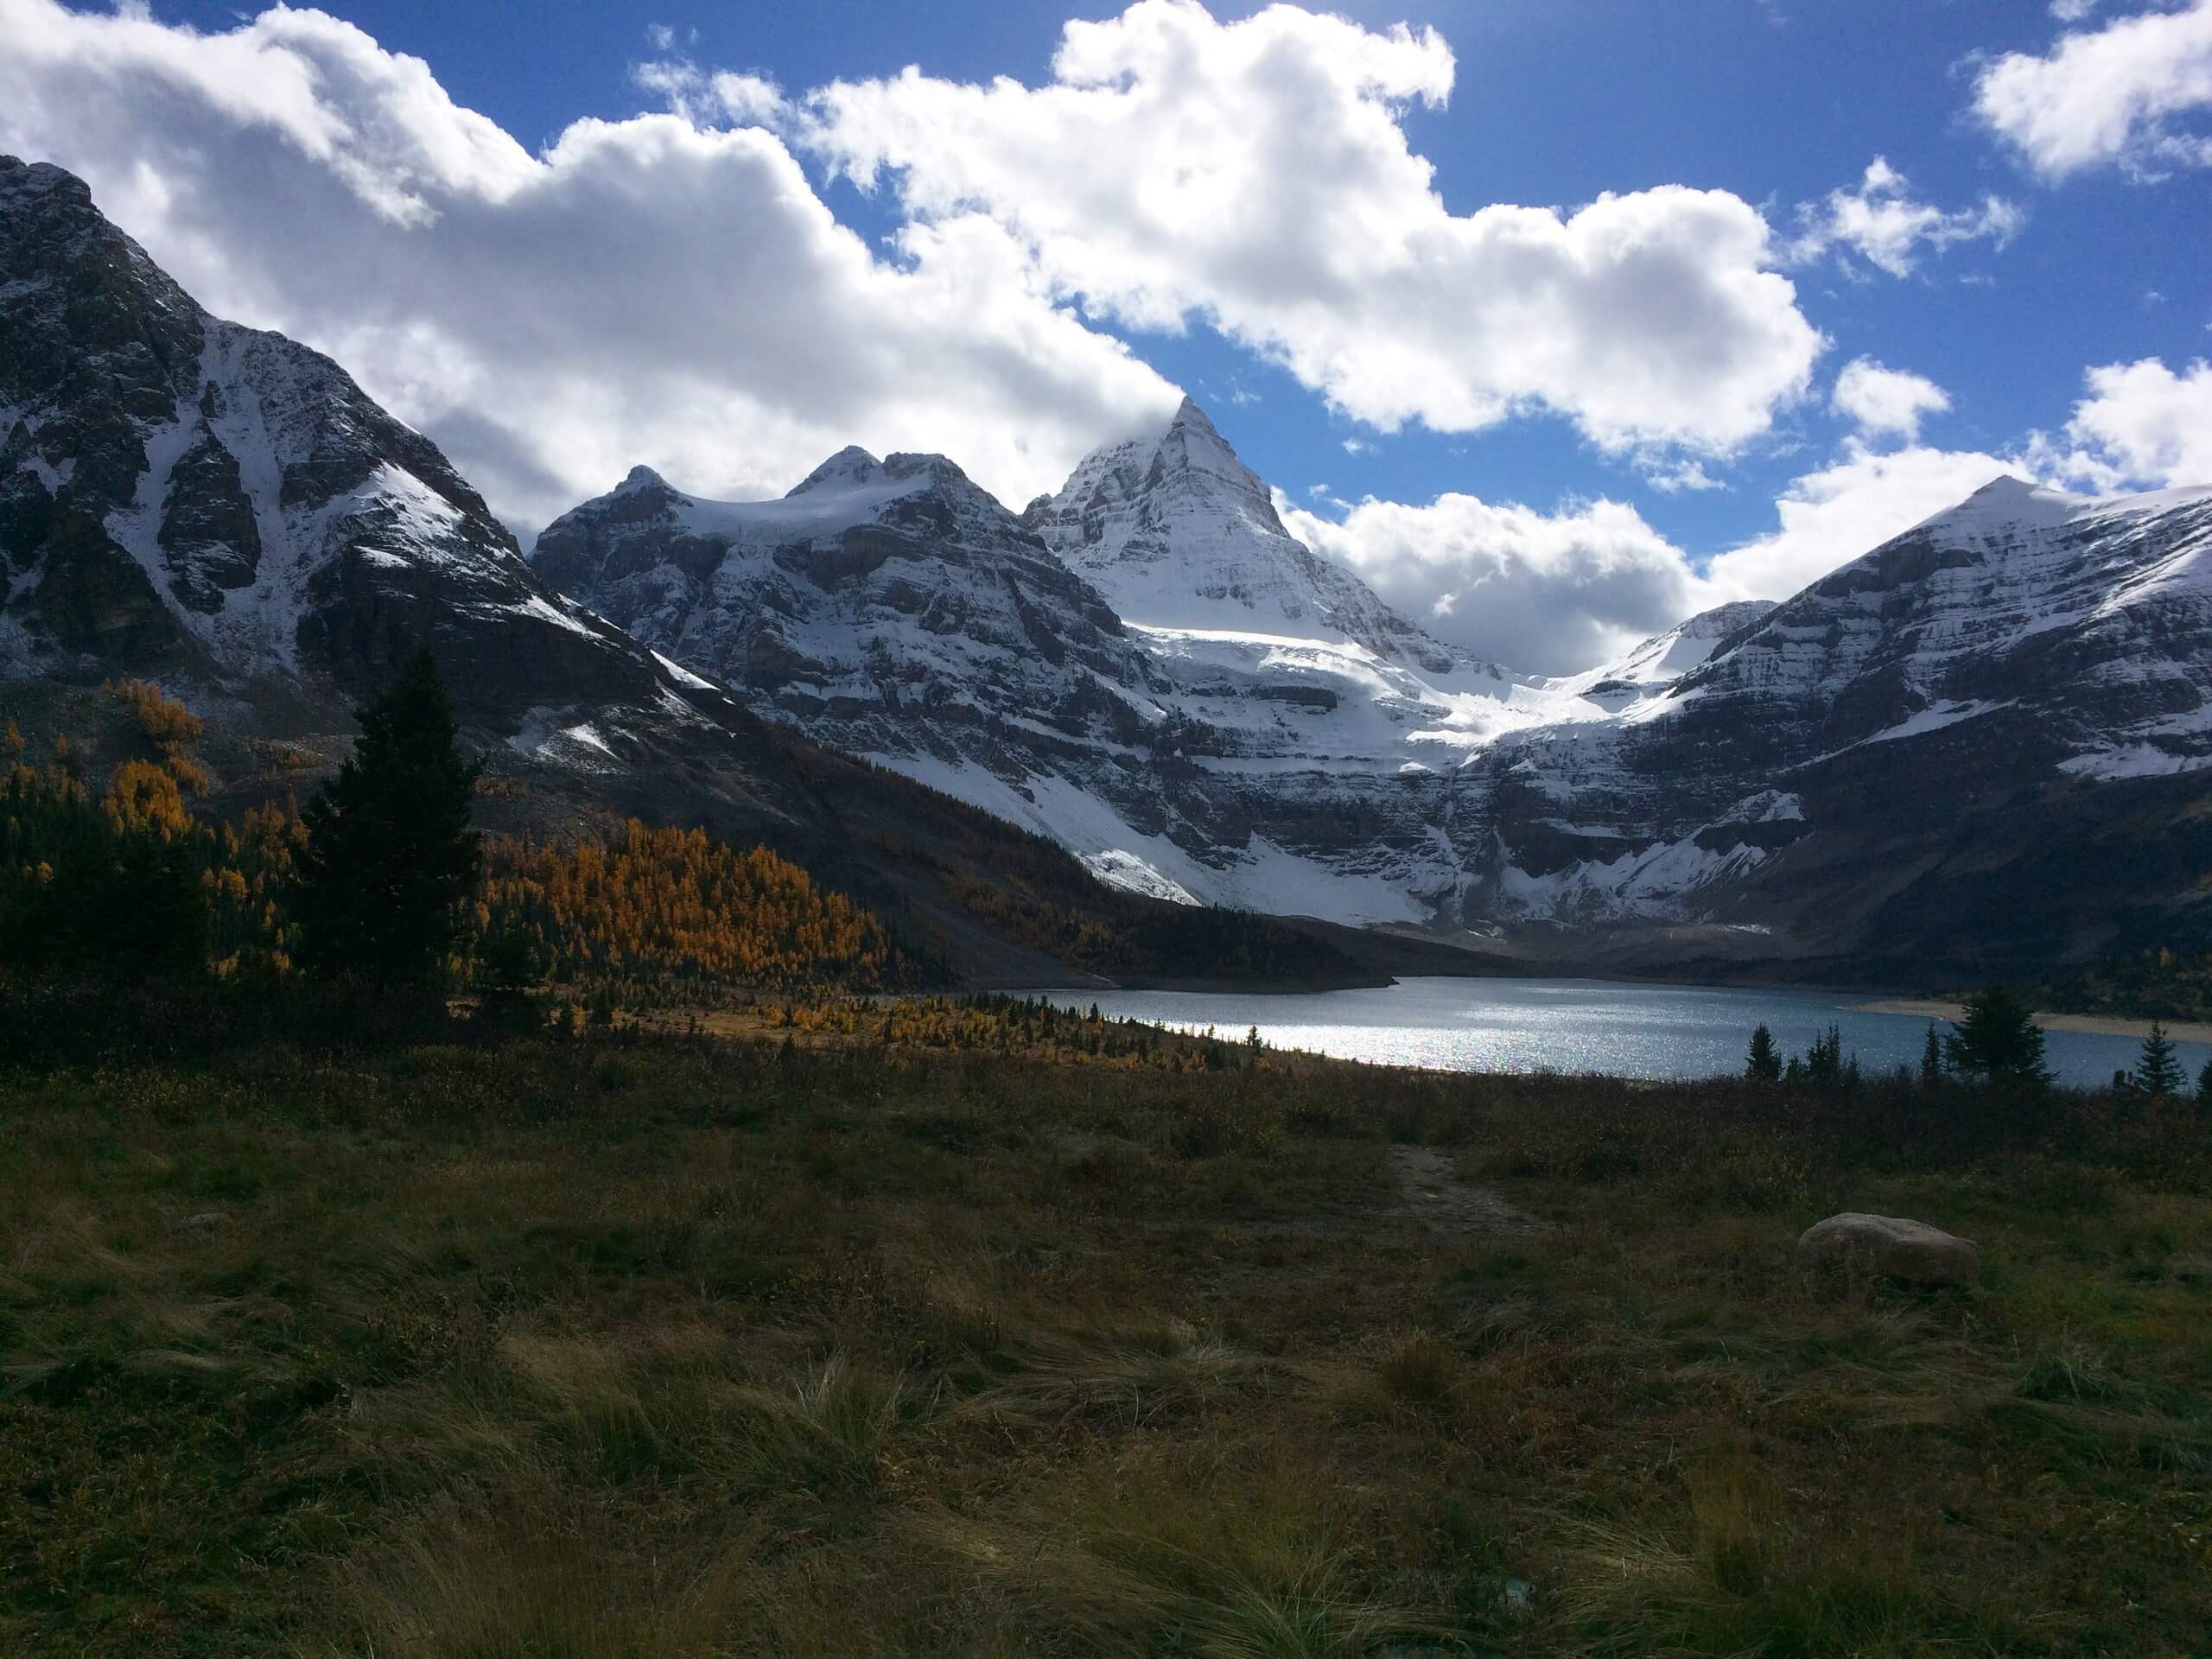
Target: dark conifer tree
{"x": 1932, "y": 1060}
{"x": 2158, "y": 1071}
{"x": 1764, "y": 1063}
{"x": 1998, "y": 1041}
{"x": 389, "y": 856}
{"x": 1824, "y": 1059}
{"x": 2204, "y": 1088}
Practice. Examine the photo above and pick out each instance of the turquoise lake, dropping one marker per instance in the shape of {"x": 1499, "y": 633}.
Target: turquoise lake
{"x": 1578, "y": 1024}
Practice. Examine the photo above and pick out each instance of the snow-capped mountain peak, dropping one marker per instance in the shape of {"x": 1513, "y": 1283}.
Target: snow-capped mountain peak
{"x": 850, "y": 466}
{"x": 1192, "y": 443}
{"x": 1178, "y": 533}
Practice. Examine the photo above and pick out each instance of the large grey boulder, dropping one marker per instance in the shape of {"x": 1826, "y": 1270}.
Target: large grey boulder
{"x": 1891, "y": 1246}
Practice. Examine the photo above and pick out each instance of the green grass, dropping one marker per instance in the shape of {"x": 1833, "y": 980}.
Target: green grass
{"x": 665, "y": 1347}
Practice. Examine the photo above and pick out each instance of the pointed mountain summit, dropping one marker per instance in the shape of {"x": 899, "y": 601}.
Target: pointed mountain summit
{"x": 1176, "y": 532}
{"x": 895, "y": 609}
{"x": 850, "y": 466}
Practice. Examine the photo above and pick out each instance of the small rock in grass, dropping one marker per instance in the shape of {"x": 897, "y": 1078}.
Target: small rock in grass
{"x": 1892, "y": 1246}
{"x": 205, "y": 1221}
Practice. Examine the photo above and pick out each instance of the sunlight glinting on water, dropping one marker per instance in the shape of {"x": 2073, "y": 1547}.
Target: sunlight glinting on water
{"x": 1529, "y": 1025}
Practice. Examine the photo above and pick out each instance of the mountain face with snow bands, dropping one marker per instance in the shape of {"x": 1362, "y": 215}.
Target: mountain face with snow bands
{"x": 1987, "y": 741}
{"x": 224, "y": 510}
{"x": 1052, "y": 668}
{"x": 1199, "y": 707}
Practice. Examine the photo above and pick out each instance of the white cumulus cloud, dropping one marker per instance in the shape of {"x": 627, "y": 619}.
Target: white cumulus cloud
{"x": 2134, "y": 94}
{"x": 1254, "y": 175}
{"x": 2142, "y": 426}
{"x": 645, "y": 289}
{"x": 1829, "y": 518}
{"x": 1886, "y": 402}
{"x": 1554, "y": 593}
{"x": 1545, "y": 593}
{"x": 1881, "y": 220}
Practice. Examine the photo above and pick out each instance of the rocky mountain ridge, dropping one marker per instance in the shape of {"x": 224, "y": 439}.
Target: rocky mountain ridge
{"x": 2020, "y": 683}
{"x": 893, "y": 609}
{"x": 1285, "y": 741}
{"x": 1988, "y": 738}
{"x": 224, "y": 511}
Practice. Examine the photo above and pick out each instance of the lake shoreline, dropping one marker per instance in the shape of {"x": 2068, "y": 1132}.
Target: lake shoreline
{"x": 1616, "y": 1028}
{"x": 2092, "y": 1025}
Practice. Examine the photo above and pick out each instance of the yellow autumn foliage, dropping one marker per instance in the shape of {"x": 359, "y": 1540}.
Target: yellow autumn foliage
{"x": 661, "y": 903}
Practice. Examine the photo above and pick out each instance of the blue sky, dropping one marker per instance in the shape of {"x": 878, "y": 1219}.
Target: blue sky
{"x": 2060, "y": 237}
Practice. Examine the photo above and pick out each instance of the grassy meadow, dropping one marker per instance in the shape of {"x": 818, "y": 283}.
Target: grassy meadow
{"x": 970, "y": 1335}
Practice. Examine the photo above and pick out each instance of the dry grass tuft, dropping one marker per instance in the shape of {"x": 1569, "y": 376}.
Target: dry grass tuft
{"x": 1143, "y": 1558}
{"x": 532, "y": 1571}
{"x": 1133, "y": 1373}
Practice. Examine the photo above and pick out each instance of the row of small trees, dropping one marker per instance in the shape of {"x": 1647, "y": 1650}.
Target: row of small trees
{"x": 1996, "y": 1042}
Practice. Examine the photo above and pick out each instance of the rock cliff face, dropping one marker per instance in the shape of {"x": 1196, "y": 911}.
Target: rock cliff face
{"x": 1262, "y": 756}
{"x": 1986, "y": 744}
{"x": 881, "y": 605}
{"x": 224, "y": 510}
{"x": 1983, "y": 741}
{"x": 1201, "y": 709}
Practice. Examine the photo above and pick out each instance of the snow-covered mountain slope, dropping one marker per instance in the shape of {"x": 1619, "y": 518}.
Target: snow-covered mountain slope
{"x": 1270, "y": 759}
{"x": 224, "y": 510}
{"x": 1666, "y": 657}
{"x": 2087, "y": 619}
{"x": 1958, "y": 694}
{"x": 226, "y": 513}
{"x": 1178, "y": 533}
{"x": 1201, "y": 709}
{"x": 894, "y": 609}
{"x": 881, "y": 605}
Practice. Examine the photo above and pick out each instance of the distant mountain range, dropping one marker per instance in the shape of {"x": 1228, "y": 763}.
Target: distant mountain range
{"x": 1983, "y": 746}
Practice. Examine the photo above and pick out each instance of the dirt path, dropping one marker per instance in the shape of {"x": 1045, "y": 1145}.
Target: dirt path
{"x": 1436, "y": 1197}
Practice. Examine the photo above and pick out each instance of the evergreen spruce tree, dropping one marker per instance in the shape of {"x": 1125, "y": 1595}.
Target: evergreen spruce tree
{"x": 1764, "y": 1063}
{"x": 389, "y": 856}
{"x": 2158, "y": 1073}
{"x": 1998, "y": 1040}
{"x": 1824, "y": 1059}
{"x": 1931, "y": 1061}
{"x": 2204, "y": 1088}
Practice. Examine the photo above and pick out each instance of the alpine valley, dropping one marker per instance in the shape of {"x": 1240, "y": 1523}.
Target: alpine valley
{"x": 1984, "y": 746}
